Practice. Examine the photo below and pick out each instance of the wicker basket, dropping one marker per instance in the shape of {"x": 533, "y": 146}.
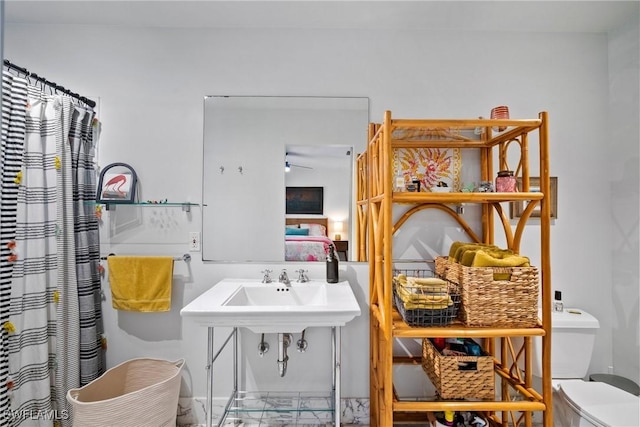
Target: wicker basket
{"x": 424, "y": 316}
{"x": 489, "y": 302}
{"x": 136, "y": 393}
{"x": 441, "y": 265}
{"x": 458, "y": 377}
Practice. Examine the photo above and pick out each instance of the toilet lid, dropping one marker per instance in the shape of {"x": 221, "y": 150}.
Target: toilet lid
{"x": 603, "y": 403}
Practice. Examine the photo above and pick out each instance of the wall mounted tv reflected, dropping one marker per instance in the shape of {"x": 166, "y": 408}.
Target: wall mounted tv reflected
{"x": 304, "y": 200}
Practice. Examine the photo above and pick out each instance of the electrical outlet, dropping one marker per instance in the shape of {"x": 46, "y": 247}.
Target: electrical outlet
{"x": 194, "y": 241}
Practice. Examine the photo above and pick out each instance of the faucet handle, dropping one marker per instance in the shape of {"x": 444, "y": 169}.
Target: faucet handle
{"x": 302, "y": 277}
{"x": 266, "y": 278}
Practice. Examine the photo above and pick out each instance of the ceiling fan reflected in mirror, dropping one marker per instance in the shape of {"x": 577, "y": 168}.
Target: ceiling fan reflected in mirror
{"x": 288, "y": 165}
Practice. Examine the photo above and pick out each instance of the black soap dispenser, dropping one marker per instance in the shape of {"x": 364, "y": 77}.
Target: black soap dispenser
{"x": 332, "y": 265}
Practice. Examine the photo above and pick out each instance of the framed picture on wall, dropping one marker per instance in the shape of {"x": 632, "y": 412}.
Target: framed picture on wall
{"x": 517, "y": 208}
{"x": 305, "y": 200}
{"x": 117, "y": 184}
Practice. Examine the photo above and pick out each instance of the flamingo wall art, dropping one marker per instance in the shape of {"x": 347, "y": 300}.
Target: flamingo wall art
{"x": 117, "y": 184}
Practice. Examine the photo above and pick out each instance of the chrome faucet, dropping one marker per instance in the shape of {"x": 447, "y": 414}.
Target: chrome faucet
{"x": 266, "y": 278}
{"x": 302, "y": 276}
{"x": 284, "y": 278}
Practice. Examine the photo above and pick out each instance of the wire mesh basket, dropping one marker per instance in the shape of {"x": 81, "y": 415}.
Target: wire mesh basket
{"x": 425, "y": 303}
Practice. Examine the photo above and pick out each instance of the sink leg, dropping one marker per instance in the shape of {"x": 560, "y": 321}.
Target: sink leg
{"x": 235, "y": 366}
{"x": 337, "y": 352}
{"x": 209, "y": 408}
{"x": 235, "y": 360}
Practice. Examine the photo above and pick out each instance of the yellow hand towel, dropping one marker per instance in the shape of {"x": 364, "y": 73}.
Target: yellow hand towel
{"x": 427, "y": 306}
{"x": 141, "y": 283}
{"x": 483, "y": 259}
{"x": 454, "y": 247}
{"x": 424, "y": 285}
{"x": 422, "y": 298}
{"x": 467, "y": 257}
{"x": 469, "y": 247}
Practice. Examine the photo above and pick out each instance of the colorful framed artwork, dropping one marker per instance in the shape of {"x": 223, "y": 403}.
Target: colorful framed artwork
{"x": 517, "y": 208}
{"x": 430, "y": 166}
{"x": 117, "y": 184}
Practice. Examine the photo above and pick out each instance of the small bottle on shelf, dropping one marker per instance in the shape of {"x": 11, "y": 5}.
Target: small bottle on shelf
{"x": 557, "y": 303}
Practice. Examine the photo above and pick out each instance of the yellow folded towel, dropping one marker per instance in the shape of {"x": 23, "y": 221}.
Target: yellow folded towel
{"x": 426, "y": 281}
{"x": 468, "y": 257}
{"x": 454, "y": 247}
{"x": 423, "y": 285}
{"x": 483, "y": 259}
{"x": 141, "y": 283}
{"x": 432, "y": 301}
{"x": 427, "y": 306}
{"x": 460, "y": 251}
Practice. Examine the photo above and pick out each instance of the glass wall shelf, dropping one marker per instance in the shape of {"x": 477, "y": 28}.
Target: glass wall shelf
{"x": 186, "y": 206}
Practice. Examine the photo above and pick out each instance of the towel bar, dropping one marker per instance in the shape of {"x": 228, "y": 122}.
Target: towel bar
{"x": 185, "y": 257}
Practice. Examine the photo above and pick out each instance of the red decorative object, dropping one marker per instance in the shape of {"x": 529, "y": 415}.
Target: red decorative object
{"x": 500, "y": 112}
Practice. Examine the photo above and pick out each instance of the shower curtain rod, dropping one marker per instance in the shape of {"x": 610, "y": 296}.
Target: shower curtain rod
{"x": 54, "y": 85}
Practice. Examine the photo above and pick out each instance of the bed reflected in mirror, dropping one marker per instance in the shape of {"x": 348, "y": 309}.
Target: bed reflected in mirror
{"x": 249, "y": 143}
{"x": 317, "y": 200}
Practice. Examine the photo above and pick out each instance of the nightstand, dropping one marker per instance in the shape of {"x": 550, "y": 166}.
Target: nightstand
{"x": 342, "y": 248}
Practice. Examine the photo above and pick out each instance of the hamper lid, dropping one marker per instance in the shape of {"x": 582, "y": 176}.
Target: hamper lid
{"x": 602, "y": 403}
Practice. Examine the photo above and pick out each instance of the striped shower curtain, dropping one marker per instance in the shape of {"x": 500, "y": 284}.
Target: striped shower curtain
{"x": 14, "y": 101}
{"x": 52, "y": 334}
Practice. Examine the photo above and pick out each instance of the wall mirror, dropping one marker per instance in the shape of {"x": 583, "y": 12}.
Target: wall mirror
{"x": 255, "y": 148}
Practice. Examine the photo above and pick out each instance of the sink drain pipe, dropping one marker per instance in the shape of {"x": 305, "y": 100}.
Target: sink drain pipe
{"x": 284, "y": 340}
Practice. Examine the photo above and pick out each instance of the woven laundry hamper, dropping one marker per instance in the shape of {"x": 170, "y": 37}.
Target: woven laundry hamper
{"x": 137, "y": 393}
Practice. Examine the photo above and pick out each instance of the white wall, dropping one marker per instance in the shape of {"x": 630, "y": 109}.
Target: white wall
{"x": 151, "y": 82}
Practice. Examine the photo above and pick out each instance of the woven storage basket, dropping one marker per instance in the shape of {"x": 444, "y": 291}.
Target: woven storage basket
{"x": 137, "y": 393}
{"x": 499, "y": 303}
{"x": 458, "y": 377}
{"x": 441, "y": 264}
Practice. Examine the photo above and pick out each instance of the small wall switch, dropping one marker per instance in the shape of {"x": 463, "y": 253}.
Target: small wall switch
{"x": 194, "y": 241}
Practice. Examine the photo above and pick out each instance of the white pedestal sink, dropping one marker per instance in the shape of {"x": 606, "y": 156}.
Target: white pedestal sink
{"x": 268, "y": 308}
{"x": 274, "y": 307}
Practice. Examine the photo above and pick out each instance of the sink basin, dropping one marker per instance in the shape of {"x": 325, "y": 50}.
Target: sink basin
{"x": 281, "y": 296}
{"x": 274, "y": 307}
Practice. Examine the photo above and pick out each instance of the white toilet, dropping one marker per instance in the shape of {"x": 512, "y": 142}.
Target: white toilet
{"x": 577, "y": 402}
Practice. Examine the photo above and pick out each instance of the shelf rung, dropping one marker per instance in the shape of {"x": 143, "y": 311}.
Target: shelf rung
{"x": 485, "y": 405}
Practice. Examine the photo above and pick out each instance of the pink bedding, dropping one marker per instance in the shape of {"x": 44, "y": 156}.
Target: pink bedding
{"x": 306, "y": 248}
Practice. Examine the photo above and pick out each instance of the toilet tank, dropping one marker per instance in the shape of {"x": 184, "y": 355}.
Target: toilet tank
{"x": 572, "y": 336}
